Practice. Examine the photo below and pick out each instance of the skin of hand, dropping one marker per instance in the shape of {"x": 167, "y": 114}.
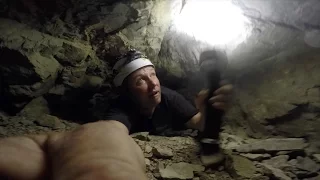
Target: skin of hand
{"x": 101, "y": 150}
{"x": 220, "y": 99}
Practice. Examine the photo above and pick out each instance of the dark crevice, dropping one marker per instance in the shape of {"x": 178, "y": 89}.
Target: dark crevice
{"x": 184, "y": 2}
{"x": 274, "y": 22}
{"x": 291, "y": 115}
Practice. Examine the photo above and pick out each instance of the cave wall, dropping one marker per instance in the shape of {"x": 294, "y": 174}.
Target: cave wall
{"x": 65, "y": 50}
{"x": 280, "y": 97}
{"x": 277, "y": 96}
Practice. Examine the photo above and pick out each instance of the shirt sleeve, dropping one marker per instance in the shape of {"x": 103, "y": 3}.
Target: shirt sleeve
{"x": 181, "y": 108}
{"x": 118, "y": 115}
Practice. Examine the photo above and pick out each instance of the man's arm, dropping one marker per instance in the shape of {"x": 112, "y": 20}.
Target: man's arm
{"x": 101, "y": 150}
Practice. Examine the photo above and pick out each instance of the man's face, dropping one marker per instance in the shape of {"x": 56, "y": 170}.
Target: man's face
{"x": 144, "y": 86}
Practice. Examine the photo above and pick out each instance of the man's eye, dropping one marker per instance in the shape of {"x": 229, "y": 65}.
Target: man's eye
{"x": 139, "y": 81}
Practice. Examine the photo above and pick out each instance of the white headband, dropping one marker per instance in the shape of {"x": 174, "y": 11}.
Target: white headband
{"x": 129, "y": 68}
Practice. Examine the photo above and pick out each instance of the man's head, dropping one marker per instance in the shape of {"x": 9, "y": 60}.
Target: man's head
{"x": 137, "y": 75}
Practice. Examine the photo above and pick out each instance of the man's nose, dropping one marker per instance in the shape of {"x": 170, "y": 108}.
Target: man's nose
{"x": 152, "y": 82}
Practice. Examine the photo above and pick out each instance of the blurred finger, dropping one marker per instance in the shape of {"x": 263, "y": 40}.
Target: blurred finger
{"x": 203, "y": 94}
{"x": 220, "y": 105}
{"x": 200, "y": 98}
{"x": 219, "y": 98}
{"x": 226, "y": 89}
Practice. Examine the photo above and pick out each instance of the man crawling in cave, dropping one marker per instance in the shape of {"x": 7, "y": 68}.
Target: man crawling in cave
{"x": 104, "y": 149}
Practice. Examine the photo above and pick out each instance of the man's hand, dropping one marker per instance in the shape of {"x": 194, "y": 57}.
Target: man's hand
{"x": 220, "y": 99}
{"x": 101, "y": 150}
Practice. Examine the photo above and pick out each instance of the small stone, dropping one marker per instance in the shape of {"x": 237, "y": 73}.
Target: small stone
{"x": 274, "y": 145}
{"x": 316, "y": 157}
{"x": 307, "y": 164}
{"x": 256, "y": 157}
{"x": 147, "y": 162}
{"x": 143, "y": 136}
{"x": 3, "y": 132}
{"x": 278, "y": 173}
{"x": 283, "y": 153}
{"x": 162, "y": 152}
{"x": 229, "y": 141}
{"x": 3, "y": 115}
{"x": 148, "y": 155}
{"x": 221, "y": 168}
{"x": 196, "y": 178}
{"x": 3, "y": 122}
{"x": 148, "y": 149}
{"x": 49, "y": 121}
{"x": 26, "y": 122}
{"x": 278, "y": 161}
{"x": 35, "y": 108}
{"x": 180, "y": 170}
{"x": 240, "y": 167}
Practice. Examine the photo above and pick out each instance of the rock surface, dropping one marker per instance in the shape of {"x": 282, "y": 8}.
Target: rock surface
{"x": 162, "y": 152}
{"x": 240, "y": 167}
{"x": 317, "y": 157}
{"x": 143, "y": 136}
{"x": 180, "y": 171}
{"x": 279, "y": 174}
{"x": 256, "y": 157}
{"x": 273, "y": 144}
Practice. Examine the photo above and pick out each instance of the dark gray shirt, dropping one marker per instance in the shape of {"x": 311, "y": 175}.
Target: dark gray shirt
{"x": 171, "y": 114}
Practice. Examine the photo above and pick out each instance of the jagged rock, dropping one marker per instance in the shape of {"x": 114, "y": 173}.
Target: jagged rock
{"x": 283, "y": 153}
{"x": 256, "y": 101}
{"x": 3, "y": 122}
{"x": 3, "y": 119}
{"x": 143, "y": 136}
{"x": 148, "y": 149}
{"x": 316, "y": 157}
{"x": 274, "y": 144}
{"x": 280, "y": 162}
{"x": 30, "y": 60}
{"x": 3, "y": 116}
{"x": 46, "y": 120}
{"x": 229, "y": 141}
{"x": 28, "y": 40}
{"x": 305, "y": 164}
{"x": 147, "y": 162}
{"x": 38, "y": 111}
{"x": 35, "y": 108}
{"x": 256, "y": 157}
{"x": 162, "y": 152}
{"x": 3, "y": 132}
{"x": 278, "y": 173}
{"x": 179, "y": 170}
{"x": 240, "y": 167}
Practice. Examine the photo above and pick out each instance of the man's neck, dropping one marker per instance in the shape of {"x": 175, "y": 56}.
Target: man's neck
{"x": 148, "y": 112}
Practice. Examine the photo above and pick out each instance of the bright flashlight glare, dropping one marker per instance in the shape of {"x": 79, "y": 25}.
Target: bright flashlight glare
{"x": 217, "y": 22}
